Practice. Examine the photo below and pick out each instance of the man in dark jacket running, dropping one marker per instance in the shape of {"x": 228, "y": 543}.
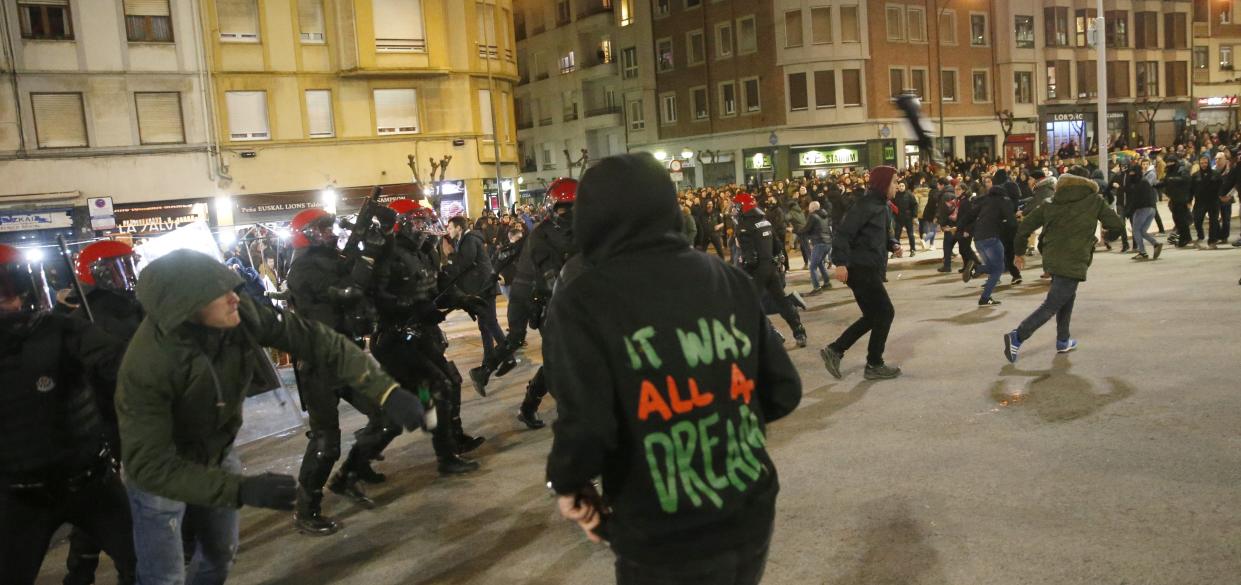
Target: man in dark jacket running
{"x": 859, "y": 248}
{"x": 667, "y": 396}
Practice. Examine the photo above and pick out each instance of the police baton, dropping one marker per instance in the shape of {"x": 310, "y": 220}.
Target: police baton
{"x": 77, "y": 285}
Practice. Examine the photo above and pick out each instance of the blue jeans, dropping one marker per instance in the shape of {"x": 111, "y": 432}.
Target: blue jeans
{"x": 818, "y": 264}
{"x": 992, "y": 252}
{"x": 929, "y": 229}
{"x": 1141, "y": 221}
{"x": 1059, "y": 303}
{"x": 157, "y": 537}
{"x": 489, "y": 326}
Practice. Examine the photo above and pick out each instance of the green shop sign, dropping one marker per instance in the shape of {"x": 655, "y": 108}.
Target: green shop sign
{"x": 818, "y": 158}
{"x": 758, "y": 160}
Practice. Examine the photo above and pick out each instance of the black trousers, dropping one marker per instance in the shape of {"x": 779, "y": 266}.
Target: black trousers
{"x": 1182, "y": 218}
{"x": 769, "y": 284}
{"x": 906, "y": 224}
{"x": 733, "y": 569}
{"x": 416, "y": 359}
{"x": 1010, "y": 252}
{"x": 1203, "y": 210}
{"x": 30, "y": 517}
{"x": 322, "y": 403}
{"x": 877, "y": 314}
{"x": 713, "y": 240}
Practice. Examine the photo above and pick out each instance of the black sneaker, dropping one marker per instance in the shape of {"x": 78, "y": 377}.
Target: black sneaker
{"x": 1141, "y": 256}
{"x": 943, "y": 269}
{"x": 456, "y": 465}
{"x": 530, "y": 419}
{"x": 987, "y": 302}
{"x": 881, "y": 372}
{"x": 347, "y": 485}
{"x": 368, "y": 474}
{"x": 466, "y": 443}
{"x": 967, "y": 272}
{"x": 506, "y": 366}
{"x": 1158, "y": 251}
{"x": 480, "y": 378}
{"x": 314, "y": 524}
{"x": 831, "y": 361}
{"x": 1016, "y": 280}
{"x": 800, "y": 336}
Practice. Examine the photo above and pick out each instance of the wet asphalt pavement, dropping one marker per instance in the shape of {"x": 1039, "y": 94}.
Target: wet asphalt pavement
{"x": 1119, "y": 463}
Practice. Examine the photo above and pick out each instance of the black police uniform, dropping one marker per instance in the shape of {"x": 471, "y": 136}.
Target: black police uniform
{"x": 55, "y": 466}
{"x": 119, "y": 314}
{"x": 757, "y": 244}
{"x": 410, "y": 346}
{"x": 323, "y": 290}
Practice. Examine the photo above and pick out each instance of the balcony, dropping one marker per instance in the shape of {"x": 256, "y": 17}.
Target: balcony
{"x": 592, "y": 7}
{"x": 570, "y": 116}
{"x": 545, "y": 122}
{"x": 603, "y": 111}
{"x": 598, "y": 70}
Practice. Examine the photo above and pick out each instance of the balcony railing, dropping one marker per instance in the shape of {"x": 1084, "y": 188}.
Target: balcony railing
{"x": 603, "y": 111}
{"x": 545, "y": 122}
{"x": 592, "y": 7}
{"x": 488, "y": 51}
{"x": 542, "y": 75}
{"x": 570, "y": 116}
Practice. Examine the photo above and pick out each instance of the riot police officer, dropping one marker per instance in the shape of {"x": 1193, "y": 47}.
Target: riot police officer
{"x": 759, "y": 258}
{"x": 545, "y": 252}
{"x": 323, "y": 288}
{"x": 409, "y": 344}
{"x": 107, "y": 272}
{"x": 55, "y": 465}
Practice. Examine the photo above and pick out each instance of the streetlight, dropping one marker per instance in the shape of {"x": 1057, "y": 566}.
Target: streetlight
{"x": 329, "y": 198}
{"x": 661, "y": 155}
{"x": 687, "y": 154}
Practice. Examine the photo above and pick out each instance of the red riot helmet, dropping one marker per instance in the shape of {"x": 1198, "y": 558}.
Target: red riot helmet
{"x": 744, "y": 202}
{"x": 108, "y": 264}
{"x": 413, "y": 216}
{"x": 24, "y": 291}
{"x": 308, "y": 227}
{"x": 562, "y": 192}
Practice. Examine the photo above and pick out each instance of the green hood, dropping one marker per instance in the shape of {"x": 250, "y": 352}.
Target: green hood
{"x": 174, "y": 287}
{"x": 1070, "y": 188}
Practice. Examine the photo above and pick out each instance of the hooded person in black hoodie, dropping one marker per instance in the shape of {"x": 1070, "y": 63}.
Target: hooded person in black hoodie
{"x": 662, "y": 391}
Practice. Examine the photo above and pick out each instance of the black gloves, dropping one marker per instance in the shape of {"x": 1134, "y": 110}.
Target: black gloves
{"x": 404, "y": 409}
{"x": 269, "y": 490}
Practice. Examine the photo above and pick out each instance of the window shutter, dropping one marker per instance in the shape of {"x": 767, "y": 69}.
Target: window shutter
{"x": 59, "y": 119}
{"x": 159, "y": 118}
{"x": 47, "y": 2}
{"x": 146, "y": 8}
{"x": 319, "y": 113}
{"x": 247, "y": 115}
{"x": 824, "y": 88}
{"x": 797, "y": 91}
{"x": 484, "y": 111}
{"x": 310, "y": 19}
{"x": 239, "y": 19}
{"x": 398, "y": 26}
{"x": 396, "y": 111}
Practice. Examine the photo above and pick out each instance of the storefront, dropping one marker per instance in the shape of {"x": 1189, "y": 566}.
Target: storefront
{"x": 498, "y": 202}
{"x": 759, "y": 164}
{"x": 36, "y": 227}
{"x": 1215, "y": 113}
{"x": 820, "y": 160}
{"x": 980, "y": 147}
{"x": 718, "y": 169}
{"x": 1018, "y": 147}
{"x": 151, "y": 218}
{"x": 1066, "y": 126}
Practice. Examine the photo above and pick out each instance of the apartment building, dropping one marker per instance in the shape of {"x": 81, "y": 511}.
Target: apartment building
{"x": 1216, "y": 81}
{"x": 317, "y": 100}
{"x": 101, "y": 99}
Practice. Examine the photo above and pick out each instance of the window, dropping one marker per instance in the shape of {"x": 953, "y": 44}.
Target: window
{"x": 626, "y": 12}
{"x": 1177, "y": 76}
{"x": 637, "y": 117}
{"x": 948, "y": 28}
{"x": 1087, "y": 79}
{"x": 1225, "y": 57}
{"x": 668, "y": 108}
{"x": 978, "y": 30}
{"x": 1201, "y": 57}
{"x": 1202, "y": 11}
{"x": 894, "y": 19}
{"x": 399, "y": 27}
{"x": 59, "y": 119}
{"x": 917, "y": 81}
{"x": 629, "y": 63}
{"x": 1148, "y": 78}
{"x": 1117, "y": 23}
{"x": 604, "y": 52}
{"x": 749, "y": 95}
{"x": 1056, "y": 26}
{"x": 982, "y": 86}
{"x": 159, "y": 117}
{"x": 692, "y": 4}
{"x": 1058, "y": 80}
{"x": 148, "y": 21}
{"x": 896, "y": 81}
{"x": 798, "y": 100}
{"x": 852, "y": 81}
{"x": 1175, "y": 31}
{"x": 247, "y": 115}
{"x": 568, "y": 103}
{"x": 728, "y": 99}
{"x": 568, "y": 63}
{"x": 239, "y": 20}
{"x": 562, "y": 12}
{"x": 915, "y": 22}
{"x": 663, "y": 55}
{"x": 505, "y": 123}
{"x": 396, "y": 111}
{"x": 825, "y": 89}
{"x": 1023, "y": 27}
{"x": 948, "y": 85}
{"x": 698, "y": 100}
{"x": 662, "y": 8}
{"x": 1082, "y": 21}
{"x": 484, "y": 21}
{"x": 506, "y": 34}
{"x": 1023, "y": 87}
{"x": 849, "y": 32}
{"x": 487, "y": 123}
{"x": 821, "y": 25}
{"x": 549, "y": 163}
{"x": 47, "y": 20}
{"x": 723, "y": 40}
{"x": 1118, "y": 79}
{"x": 310, "y": 20}
{"x": 747, "y": 35}
{"x": 793, "y": 36}
{"x": 319, "y": 113}
{"x": 1145, "y": 30}
{"x": 697, "y": 44}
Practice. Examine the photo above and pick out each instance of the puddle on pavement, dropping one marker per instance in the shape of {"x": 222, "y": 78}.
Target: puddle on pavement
{"x": 1055, "y": 395}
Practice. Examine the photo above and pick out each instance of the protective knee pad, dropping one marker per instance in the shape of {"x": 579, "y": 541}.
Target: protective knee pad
{"x": 324, "y": 444}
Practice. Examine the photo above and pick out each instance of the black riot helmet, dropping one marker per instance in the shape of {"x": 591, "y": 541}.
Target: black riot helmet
{"x": 24, "y": 292}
